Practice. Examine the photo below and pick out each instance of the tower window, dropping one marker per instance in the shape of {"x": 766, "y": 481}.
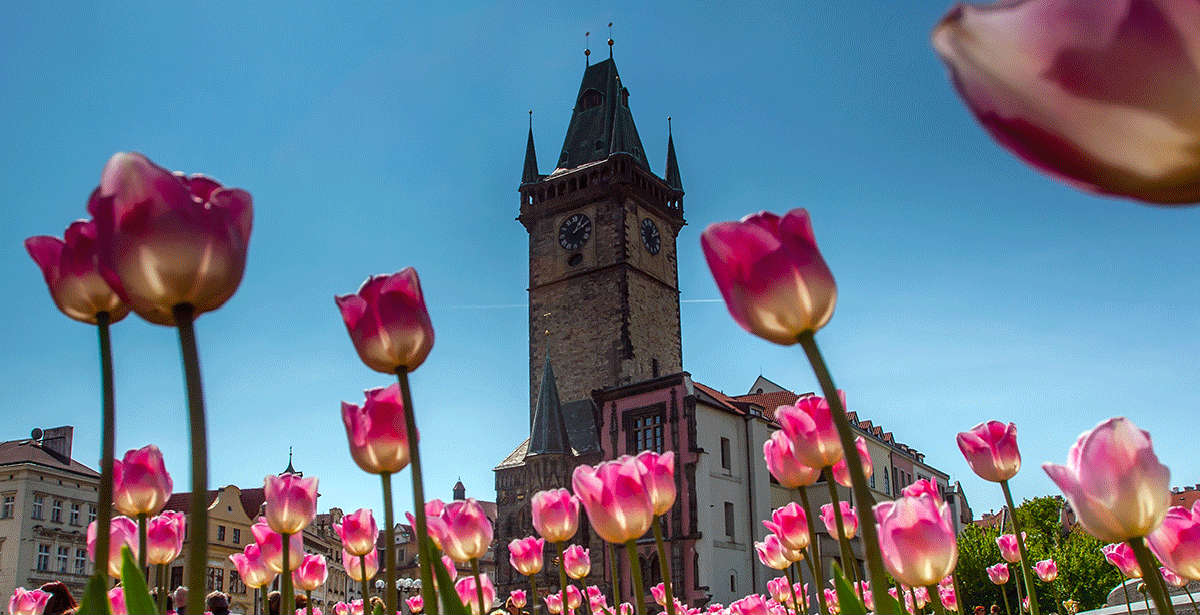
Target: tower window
{"x": 729, "y": 519}
{"x": 590, "y": 98}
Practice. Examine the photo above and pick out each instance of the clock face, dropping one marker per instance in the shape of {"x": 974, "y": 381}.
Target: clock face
{"x": 650, "y": 237}
{"x": 574, "y": 232}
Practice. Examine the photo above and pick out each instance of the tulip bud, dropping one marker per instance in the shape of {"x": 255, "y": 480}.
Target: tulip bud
{"x": 555, "y": 514}
{"x": 358, "y": 532}
{"x": 376, "y": 431}
{"x": 164, "y": 537}
{"x": 790, "y": 524}
{"x": 388, "y": 322}
{"x": 252, "y": 567}
{"x": 123, "y": 532}
{"x": 841, "y": 472}
{"x": 659, "y": 593}
{"x": 525, "y": 555}
{"x": 849, "y": 519}
{"x": 71, "y": 269}
{"x": 311, "y": 573}
{"x": 1046, "y": 570}
{"x": 271, "y": 544}
{"x": 1121, "y": 555}
{"x": 116, "y": 598}
{"x": 468, "y": 532}
{"x": 1009, "y": 549}
{"x": 574, "y": 598}
{"x": 917, "y": 539}
{"x": 615, "y": 498}
{"x": 998, "y": 573}
{"x": 27, "y": 602}
{"x": 291, "y": 502}
{"x": 809, "y": 423}
{"x": 577, "y": 562}
{"x": 517, "y": 598}
{"x": 353, "y": 565}
{"x": 416, "y": 604}
{"x": 991, "y": 450}
{"x": 773, "y": 554}
{"x": 784, "y": 465}
{"x": 141, "y": 484}
{"x": 658, "y": 474}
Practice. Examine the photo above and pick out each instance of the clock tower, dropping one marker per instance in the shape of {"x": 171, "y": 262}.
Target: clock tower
{"x": 603, "y": 269}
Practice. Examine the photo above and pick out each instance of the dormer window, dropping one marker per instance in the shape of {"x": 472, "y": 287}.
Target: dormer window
{"x": 590, "y": 98}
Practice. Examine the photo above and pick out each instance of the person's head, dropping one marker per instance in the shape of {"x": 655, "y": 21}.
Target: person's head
{"x": 301, "y": 601}
{"x": 60, "y": 598}
{"x": 273, "y": 602}
{"x": 995, "y": 609}
{"x": 180, "y": 596}
{"x": 376, "y": 601}
{"x": 217, "y": 603}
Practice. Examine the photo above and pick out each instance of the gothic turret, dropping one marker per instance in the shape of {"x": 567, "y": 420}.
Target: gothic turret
{"x": 601, "y": 123}
{"x": 530, "y": 174}
{"x": 672, "y": 173}
{"x": 548, "y": 432}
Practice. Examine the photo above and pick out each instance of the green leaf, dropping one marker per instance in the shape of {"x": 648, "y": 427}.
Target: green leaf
{"x": 137, "y": 595}
{"x": 848, "y": 601}
{"x": 95, "y": 598}
{"x": 450, "y": 601}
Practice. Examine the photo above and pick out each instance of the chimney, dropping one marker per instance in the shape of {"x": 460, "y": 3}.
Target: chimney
{"x": 57, "y": 440}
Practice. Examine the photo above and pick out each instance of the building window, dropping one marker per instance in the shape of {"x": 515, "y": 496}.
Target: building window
{"x": 91, "y": 512}
{"x": 733, "y": 581}
{"x": 235, "y": 583}
{"x": 81, "y": 561}
{"x": 729, "y": 519}
{"x": 37, "y": 507}
{"x": 6, "y": 509}
{"x": 56, "y": 511}
{"x": 872, "y": 480}
{"x": 43, "y": 558}
{"x": 237, "y": 536}
{"x": 220, "y": 533}
{"x": 726, "y": 462}
{"x": 64, "y": 554}
{"x": 887, "y": 485}
{"x": 74, "y": 513}
{"x": 647, "y": 432}
{"x": 214, "y": 579}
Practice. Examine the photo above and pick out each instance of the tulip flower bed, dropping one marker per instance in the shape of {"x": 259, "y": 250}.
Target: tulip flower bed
{"x": 170, "y": 247}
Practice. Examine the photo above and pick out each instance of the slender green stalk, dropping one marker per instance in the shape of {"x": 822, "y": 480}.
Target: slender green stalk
{"x": 366, "y": 583}
{"x": 1147, "y": 601}
{"x": 308, "y": 602}
{"x": 533, "y": 593}
{"x": 478, "y": 586}
{"x": 814, "y": 555}
{"x": 635, "y": 572}
{"x": 1125, "y": 586}
{"x": 1154, "y": 582}
{"x": 848, "y": 562}
{"x": 428, "y": 593}
{"x": 958, "y": 595}
{"x": 141, "y": 521}
{"x": 162, "y": 588}
{"x": 792, "y": 588}
{"x": 266, "y": 598}
{"x": 197, "y": 559}
{"x": 1004, "y": 595}
{"x": 862, "y": 495}
{"x": 389, "y": 590}
{"x": 1016, "y": 584}
{"x": 108, "y": 415}
{"x": 584, "y": 598}
{"x": 562, "y": 576}
{"x": 287, "y": 595}
{"x": 664, "y": 565}
{"x": 616, "y": 573}
{"x": 936, "y": 599}
{"x": 1026, "y": 572}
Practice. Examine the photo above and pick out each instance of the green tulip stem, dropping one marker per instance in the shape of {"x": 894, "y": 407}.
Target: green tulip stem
{"x": 936, "y": 599}
{"x": 108, "y": 415}
{"x": 162, "y": 588}
{"x": 266, "y": 598}
{"x": 287, "y": 595}
{"x": 428, "y": 593}
{"x": 1016, "y": 582}
{"x": 1146, "y": 600}
{"x": 664, "y": 565}
{"x": 1154, "y": 582}
{"x": 141, "y": 521}
{"x": 584, "y": 597}
{"x": 483, "y": 608}
{"x": 958, "y": 595}
{"x": 1004, "y": 594}
{"x": 197, "y": 559}
{"x": 533, "y": 593}
{"x": 562, "y": 576}
{"x": 1026, "y": 572}
{"x": 813, "y": 557}
{"x": 616, "y": 573}
{"x": 308, "y": 602}
{"x": 848, "y": 563}
{"x": 635, "y": 573}
{"x": 1125, "y": 586}
{"x": 389, "y": 546}
{"x": 862, "y": 495}
{"x": 366, "y": 583}
{"x": 792, "y": 589}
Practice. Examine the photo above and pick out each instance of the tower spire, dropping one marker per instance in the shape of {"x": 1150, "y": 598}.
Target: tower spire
{"x": 530, "y": 174}
{"x": 548, "y": 431}
{"x": 672, "y": 172}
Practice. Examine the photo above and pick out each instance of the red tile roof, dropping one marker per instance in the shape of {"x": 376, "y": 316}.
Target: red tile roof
{"x": 1185, "y": 497}
{"x": 252, "y": 501}
{"x": 25, "y": 451}
{"x": 724, "y": 400}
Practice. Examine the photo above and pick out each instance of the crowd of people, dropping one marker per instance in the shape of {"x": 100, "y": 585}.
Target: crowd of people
{"x": 61, "y": 601}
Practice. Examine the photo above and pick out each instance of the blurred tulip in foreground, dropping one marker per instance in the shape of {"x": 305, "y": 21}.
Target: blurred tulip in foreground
{"x": 1176, "y": 542}
{"x": 122, "y": 533}
{"x": 27, "y": 602}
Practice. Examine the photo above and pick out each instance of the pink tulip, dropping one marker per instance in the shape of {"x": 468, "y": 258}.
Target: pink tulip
{"x": 376, "y": 431}
{"x": 341, "y": 608}
{"x": 1169, "y": 576}
{"x": 1025, "y": 604}
{"x": 553, "y": 602}
{"x": 71, "y": 270}
{"x": 849, "y": 519}
{"x": 597, "y": 601}
{"x": 948, "y": 597}
{"x": 923, "y": 486}
{"x": 991, "y": 450}
{"x": 917, "y": 539}
{"x": 27, "y": 601}
{"x": 356, "y": 607}
{"x": 577, "y": 562}
{"x": 123, "y": 532}
{"x": 784, "y": 465}
{"x": 998, "y": 573}
{"x": 771, "y": 274}
{"x": 809, "y": 424}
{"x": 141, "y": 484}
{"x": 1009, "y": 550}
{"x": 353, "y": 565}
{"x": 1177, "y": 541}
{"x": 841, "y": 473}
{"x": 831, "y": 600}
{"x": 451, "y": 570}
{"x": 311, "y": 573}
{"x": 555, "y": 514}
{"x": 920, "y": 596}
{"x": 388, "y": 322}
{"x": 864, "y": 592}
{"x": 358, "y": 532}
{"x": 314, "y": 611}
{"x": 625, "y": 609}
{"x": 659, "y": 593}
{"x": 753, "y": 604}
{"x": 574, "y": 598}
{"x": 116, "y": 598}
{"x": 435, "y": 526}
{"x": 713, "y": 609}
{"x": 517, "y": 597}
{"x": 773, "y": 554}
{"x": 1114, "y": 482}
{"x": 468, "y": 532}
{"x": 291, "y": 502}
{"x": 779, "y": 588}
{"x": 1046, "y": 570}
{"x": 252, "y": 566}
{"x": 1121, "y": 555}
{"x": 1096, "y": 94}
{"x": 615, "y": 497}
{"x": 790, "y": 524}
{"x": 271, "y": 544}
{"x": 658, "y": 474}
{"x": 164, "y": 537}
{"x": 525, "y": 555}
{"x": 167, "y": 240}
{"x": 416, "y": 604}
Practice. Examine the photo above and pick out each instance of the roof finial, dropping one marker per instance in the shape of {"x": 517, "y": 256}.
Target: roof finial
{"x": 610, "y": 40}
{"x": 587, "y": 48}
{"x": 531, "y": 119}
{"x": 668, "y": 126}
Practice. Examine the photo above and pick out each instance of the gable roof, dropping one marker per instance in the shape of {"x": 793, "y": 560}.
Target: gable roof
{"x": 16, "y": 452}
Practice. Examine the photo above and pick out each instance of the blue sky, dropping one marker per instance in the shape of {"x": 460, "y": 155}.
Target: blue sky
{"x": 376, "y": 137}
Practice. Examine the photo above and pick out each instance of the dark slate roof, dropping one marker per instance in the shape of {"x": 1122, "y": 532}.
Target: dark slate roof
{"x": 26, "y": 451}
{"x": 548, "y": 434}
{"x": 530, "y": 173}
{"x": 580, "y": 417}
{"x": 601, "y": 126}
{"x": 672, "y": 173}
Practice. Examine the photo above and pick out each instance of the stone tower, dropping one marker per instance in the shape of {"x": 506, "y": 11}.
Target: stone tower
{"x": 603, "y": 273}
